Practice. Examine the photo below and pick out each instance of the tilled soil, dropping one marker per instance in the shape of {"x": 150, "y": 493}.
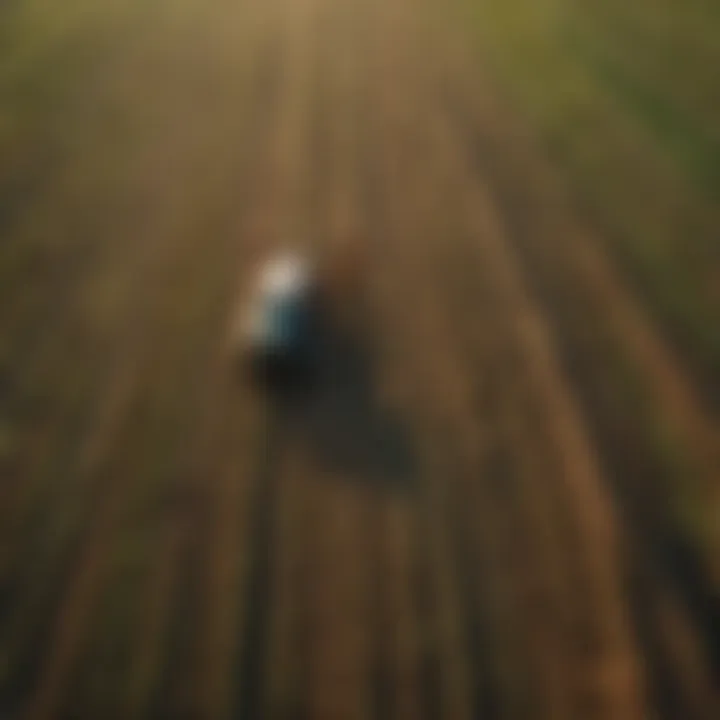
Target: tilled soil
{"x": 462, "y": 523}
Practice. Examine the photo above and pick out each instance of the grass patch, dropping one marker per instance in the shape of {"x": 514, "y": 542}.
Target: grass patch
{"x": 696, "y": 152}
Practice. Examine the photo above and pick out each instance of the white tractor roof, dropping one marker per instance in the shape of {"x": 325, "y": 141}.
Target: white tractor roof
{"x": 286, "y": 275}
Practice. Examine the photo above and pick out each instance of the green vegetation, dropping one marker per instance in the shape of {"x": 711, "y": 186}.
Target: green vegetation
{"x": 626, "y": 98}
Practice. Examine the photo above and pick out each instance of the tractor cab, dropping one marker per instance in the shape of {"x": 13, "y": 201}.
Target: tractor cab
{"x": 280, "y": 333}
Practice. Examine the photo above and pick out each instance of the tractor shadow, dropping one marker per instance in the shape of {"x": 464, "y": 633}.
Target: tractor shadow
{"x": 347, "y": 430}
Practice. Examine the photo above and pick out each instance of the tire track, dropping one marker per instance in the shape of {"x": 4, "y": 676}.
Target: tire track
{"x": 409, "y": 209}
{"x": 236, "y": 477}
{"x": 524, "y": 179}
{"x": 497, "y": 381}
{"x": 87, "y": 297}
{"x": 175, "y": 496}
{"x": 269, "y": 668}
{"x": 196, "y": 344}
{"x": 119, "y": 496}
{"x": 613, "y": 672}
{"x": 78, "y": 598}
{"x": 570, "y": 275}
{"x": 531, "y": 338}
{"x": 207, "y": 631}
{"x": 395, "y": 621}
{"x": 337, "y": 600}
{"x": 91, "y": 480}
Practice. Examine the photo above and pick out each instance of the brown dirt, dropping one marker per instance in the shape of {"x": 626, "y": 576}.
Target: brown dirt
{"x": 455, "y": 527}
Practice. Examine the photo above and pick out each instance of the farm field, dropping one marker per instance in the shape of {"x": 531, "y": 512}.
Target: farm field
{"x": 505, "y": 501}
